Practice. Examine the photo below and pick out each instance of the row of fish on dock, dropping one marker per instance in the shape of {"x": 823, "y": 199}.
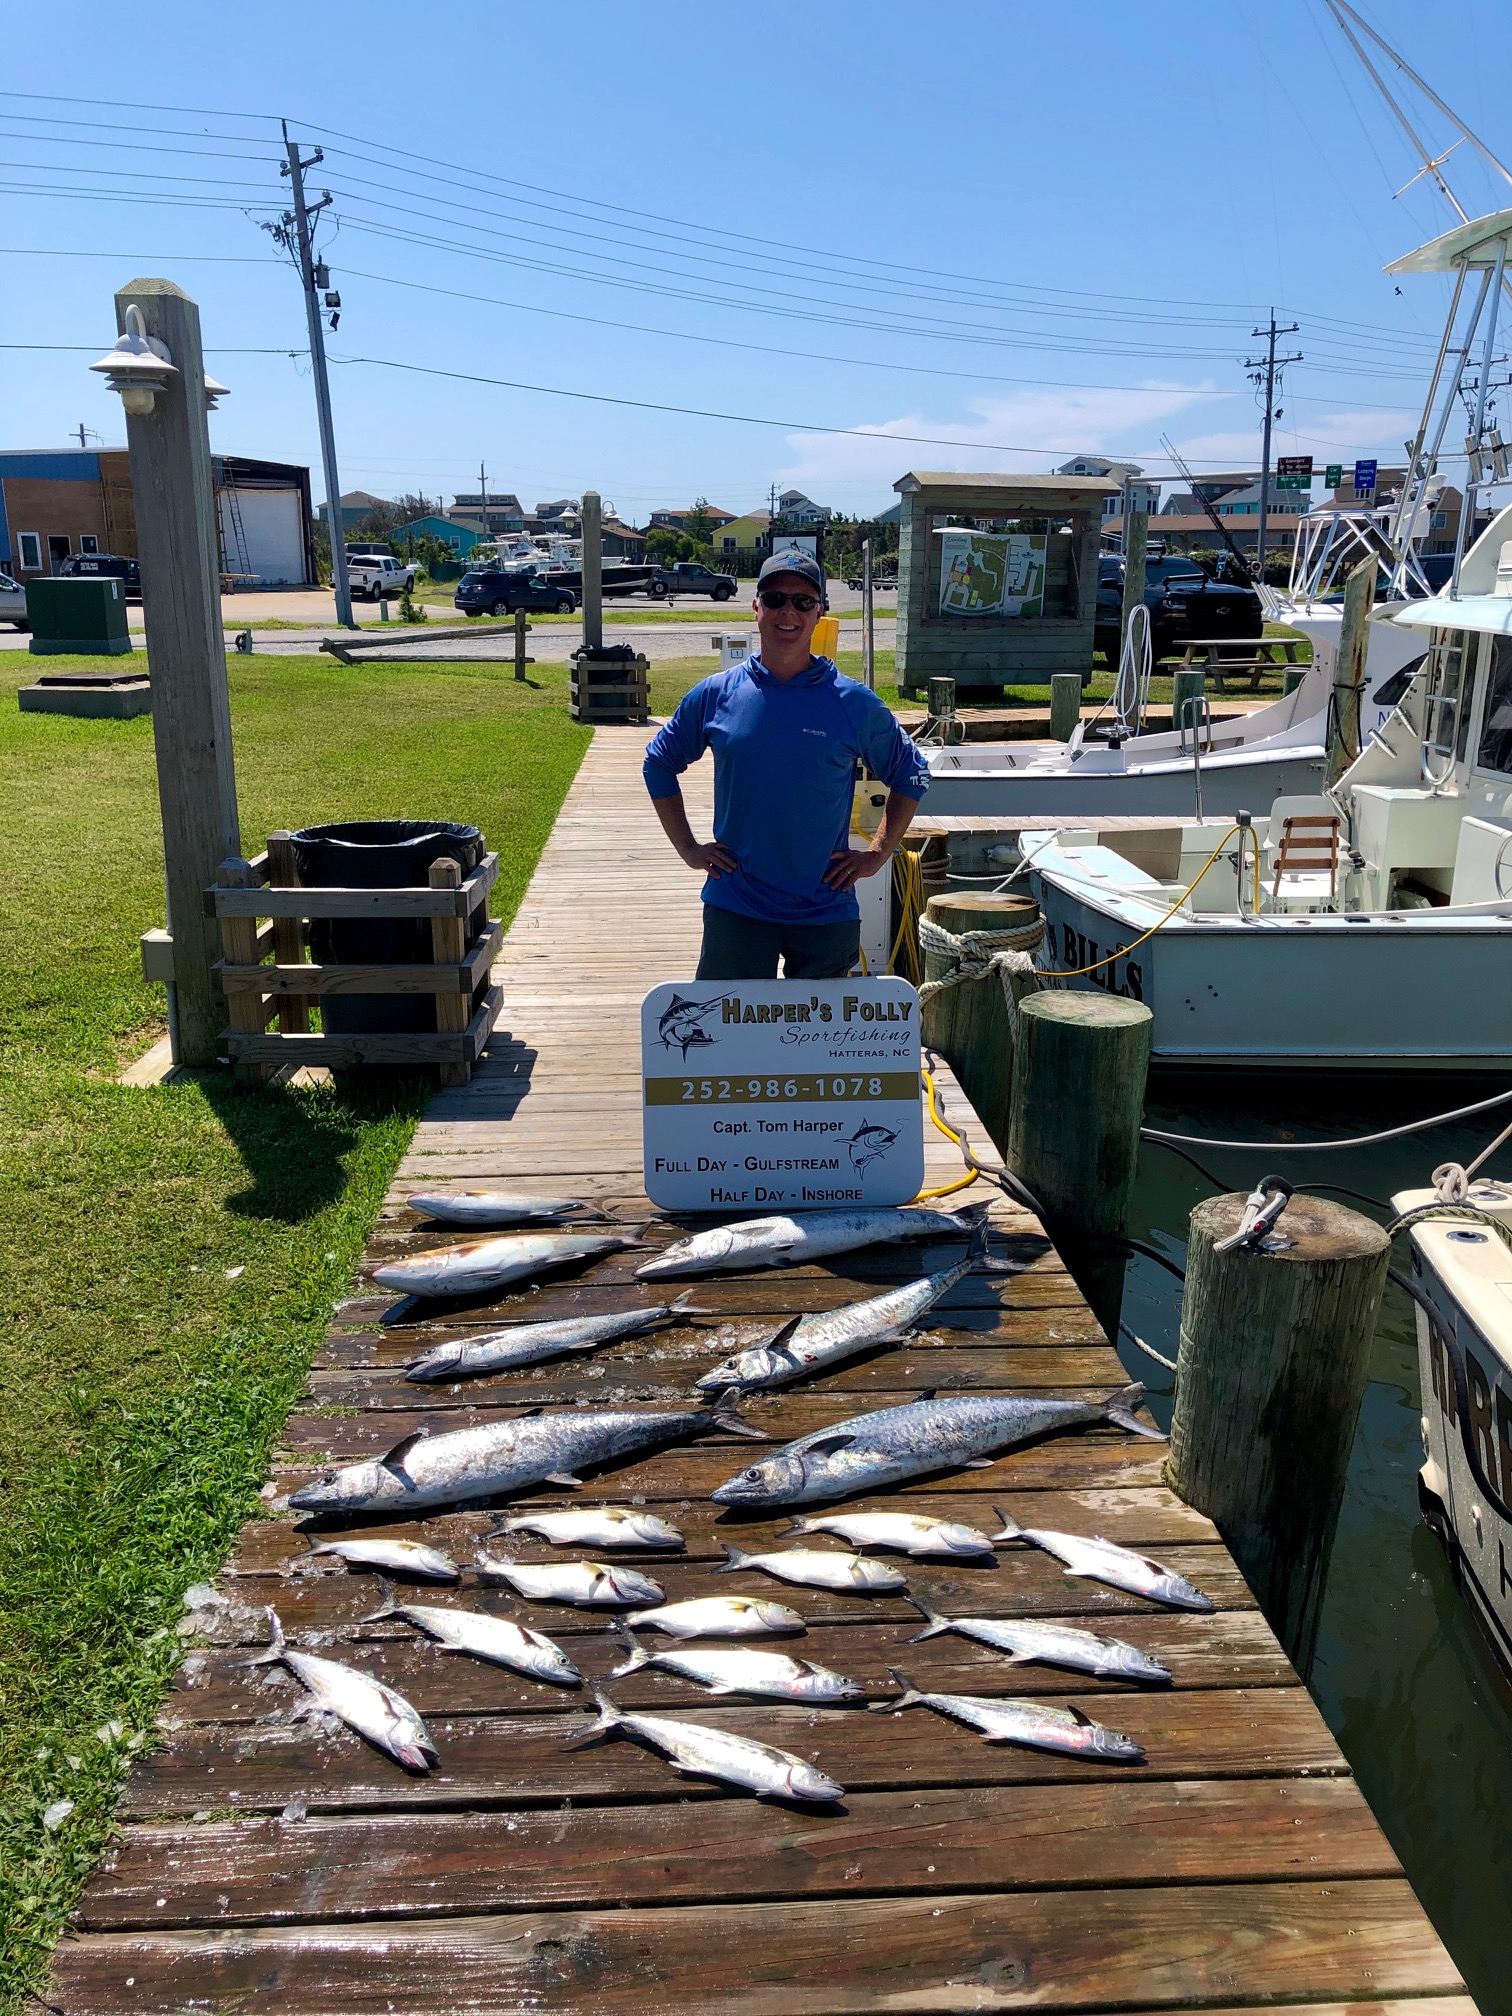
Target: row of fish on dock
{"x": 869, "y": 1451}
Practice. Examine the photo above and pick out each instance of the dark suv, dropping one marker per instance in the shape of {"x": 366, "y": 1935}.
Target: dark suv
{"x": 498, "y": 591}
{"x": 107, "y": 564}
{"x": 1183, "y": 602}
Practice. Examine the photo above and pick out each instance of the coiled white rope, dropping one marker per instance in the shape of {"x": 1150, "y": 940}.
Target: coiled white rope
{"x": 1131, "y": 689}
{"x": 977, "y": 955}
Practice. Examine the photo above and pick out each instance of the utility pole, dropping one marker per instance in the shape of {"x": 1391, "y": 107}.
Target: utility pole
{"x": 1265, "y": 369}
{"x": 299, "y": 220}
{"x": 483, "y": 496}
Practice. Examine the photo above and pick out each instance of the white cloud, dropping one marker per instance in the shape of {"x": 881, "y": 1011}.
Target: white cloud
{"x": 1038, "y": 429}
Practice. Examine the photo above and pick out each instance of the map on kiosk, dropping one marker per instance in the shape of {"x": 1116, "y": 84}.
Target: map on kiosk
{"x": 992, "y": 573}
{"x": 781, "y": 1095}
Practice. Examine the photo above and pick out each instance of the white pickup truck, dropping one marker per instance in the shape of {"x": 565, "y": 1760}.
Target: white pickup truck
{"x": 375, "y": 575}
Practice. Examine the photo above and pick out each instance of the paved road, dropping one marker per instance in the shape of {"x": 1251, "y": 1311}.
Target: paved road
{"x": 552, "y": 643}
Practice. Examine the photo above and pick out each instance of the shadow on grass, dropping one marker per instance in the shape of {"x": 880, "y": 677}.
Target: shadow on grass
{"x": 296, "y": 1142}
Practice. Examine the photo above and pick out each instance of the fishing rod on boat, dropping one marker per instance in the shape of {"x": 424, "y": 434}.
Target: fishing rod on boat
{"x": 1208, "y": 510}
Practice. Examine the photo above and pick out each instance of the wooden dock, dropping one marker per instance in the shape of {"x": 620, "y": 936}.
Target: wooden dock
{"x": 266, "y": 1868}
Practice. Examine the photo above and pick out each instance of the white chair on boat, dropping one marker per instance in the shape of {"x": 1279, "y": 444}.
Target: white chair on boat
{"x": 1302, "y": 849}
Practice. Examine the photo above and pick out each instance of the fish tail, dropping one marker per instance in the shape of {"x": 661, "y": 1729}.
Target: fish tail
{"x": 724, "y": 1414}
{"x": 1119, "y": 1409}
{"x": 609, "y": 1717}
{"x": 1011, "y": 1528}
{"x": 973, "y": 1216}
{"x": 391, "y": 1604}
{"x": 734, "y": 1559}
{"x": 934, "y": 1623}
{"x": 638, "y": 1655}
{"x": 275, "y": 1649}
{"x": 683, "y": 1307}
{"x": 909, "y": 1698}
{"x": 976, "y": 1251}
{"x": 797, "y": 1525}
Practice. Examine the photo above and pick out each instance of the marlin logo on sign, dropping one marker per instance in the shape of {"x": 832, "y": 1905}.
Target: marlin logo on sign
{"x": 869, "y": 1144}
{"x": 681, "y": 1025}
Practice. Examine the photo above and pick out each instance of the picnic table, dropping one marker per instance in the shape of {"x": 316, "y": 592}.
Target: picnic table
{"x": 1222, "y": 658}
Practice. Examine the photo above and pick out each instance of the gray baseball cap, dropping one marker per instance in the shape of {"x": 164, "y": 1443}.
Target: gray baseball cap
{"x": 793, "y": 560}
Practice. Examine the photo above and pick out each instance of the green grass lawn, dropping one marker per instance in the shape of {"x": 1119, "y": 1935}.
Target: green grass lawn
{"x": 169, "y": 1259}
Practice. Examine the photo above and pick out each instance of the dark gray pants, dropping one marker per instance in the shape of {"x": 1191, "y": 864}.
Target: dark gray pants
{"x": 737, "y": 947}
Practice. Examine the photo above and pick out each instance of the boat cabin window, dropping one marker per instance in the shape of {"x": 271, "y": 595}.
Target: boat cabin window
{"x": 1391, "y": 692}
{"x": 1496, "y": 735}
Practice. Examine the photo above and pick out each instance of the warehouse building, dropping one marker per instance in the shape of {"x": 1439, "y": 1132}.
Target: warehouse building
{"x": 59, "y": 501}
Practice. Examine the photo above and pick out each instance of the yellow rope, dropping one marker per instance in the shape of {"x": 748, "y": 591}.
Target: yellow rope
{"x": 961, "y": 1182}
{"x": 908, "y": 876}
{"x": 1078, "y": 972}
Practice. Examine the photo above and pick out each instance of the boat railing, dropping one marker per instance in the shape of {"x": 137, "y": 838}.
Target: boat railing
{"x": 1444, "y": 702}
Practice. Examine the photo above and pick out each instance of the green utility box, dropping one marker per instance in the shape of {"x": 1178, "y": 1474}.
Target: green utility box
{"x": 86, "y": 616}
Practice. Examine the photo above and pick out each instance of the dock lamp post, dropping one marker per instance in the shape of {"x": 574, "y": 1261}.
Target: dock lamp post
{"x": 157, "y": 367}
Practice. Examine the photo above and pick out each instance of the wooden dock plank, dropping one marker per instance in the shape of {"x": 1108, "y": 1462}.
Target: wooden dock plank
{"x": 266, "y": 1865}
{"x": 1129, "y": 1948}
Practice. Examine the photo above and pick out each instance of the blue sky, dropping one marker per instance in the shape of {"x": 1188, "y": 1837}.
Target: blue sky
{"x": 1022, "y": 230}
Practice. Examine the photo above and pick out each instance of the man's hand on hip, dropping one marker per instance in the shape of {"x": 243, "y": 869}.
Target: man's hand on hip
{"x": 710, "y": 860}
{"x": 848, "y": 866}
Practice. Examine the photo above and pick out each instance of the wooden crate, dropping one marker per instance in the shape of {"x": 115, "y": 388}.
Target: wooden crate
{"x": 262, "y": 910}
{"x": 598, "y": 696}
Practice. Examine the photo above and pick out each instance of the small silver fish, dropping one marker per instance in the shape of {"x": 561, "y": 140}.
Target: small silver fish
{"x": 539, "y": 1448}
{"x": 1025, "y": 1639}
{"x": 400, "y": 1557}
{"x": 738, "y": 1669}
{"x": 902, "y": 1532}
{"x": 482, "y": 1264}
{"x": 702, "y": 1752}
{"x": 816, "y": 1343}
{"x": 1104, "y": 1561}
{"x": 532, "y": 1343}
{"x": 721, "y": 1617}
{"x": 385, "y": 1719}
{"x": 896, "y": 1443}
{"x": 1067, "y": 1731}
{"x": 806, "y": 1235}
{"x": 498, "y": 1640}
{"x": 598, "y": 1526}
{"x": 492, "y": 1207}
{"x": 813, "y": 1568}
{"x": 589, "y": 1583}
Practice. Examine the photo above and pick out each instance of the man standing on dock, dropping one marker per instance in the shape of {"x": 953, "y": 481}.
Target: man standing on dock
{"x": 787, "y": 732}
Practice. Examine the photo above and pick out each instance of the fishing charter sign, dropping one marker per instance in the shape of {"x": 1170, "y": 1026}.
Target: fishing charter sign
{"x": 781, "y": 1094}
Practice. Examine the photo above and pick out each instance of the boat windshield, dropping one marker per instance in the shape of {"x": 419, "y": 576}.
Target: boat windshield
{"x": 1496, "y": 736}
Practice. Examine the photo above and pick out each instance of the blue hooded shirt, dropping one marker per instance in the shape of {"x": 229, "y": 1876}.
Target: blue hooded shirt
{"x": 785, "y": 755}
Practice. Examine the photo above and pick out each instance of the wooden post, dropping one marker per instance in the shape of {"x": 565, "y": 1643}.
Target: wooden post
{"x": 1079, "y": 1065}
{"x": 288, "y": 935}
{"x": 969, "y": 1024}
{"x": 179, "y": 548}
{"x": 520, "y": 629}
{"x": 448, "y": 946}
{"x": 593, "y": 571}
{"x": 942, "y": 699}
{"x": 1186, "y": 686}
{"x": 1066, "y": 691}
{"x": 1349, "y": 669}
{"x": 1136, "y": 529}
{"x": 245, "y": 1012}
{"x": 1274, "y": 1351}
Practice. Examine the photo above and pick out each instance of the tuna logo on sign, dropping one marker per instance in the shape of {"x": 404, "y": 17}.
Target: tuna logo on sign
{"x": 869, "y": 1144}
{"x": 681, "y": 1025}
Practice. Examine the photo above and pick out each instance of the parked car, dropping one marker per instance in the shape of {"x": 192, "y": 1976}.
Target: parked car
{"x": 13, "y": 603}
{"x": 497, "y": 591}
{"x": 691, "y": 577}
{"x": 1183, "y": 602}
{"x": 378, "y": 574}
{"x": 882, "y": 582}
{"x": 117, "y": 564}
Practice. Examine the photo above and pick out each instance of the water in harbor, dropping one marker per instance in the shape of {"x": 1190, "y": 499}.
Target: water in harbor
{"x": 1402, "y": 1675}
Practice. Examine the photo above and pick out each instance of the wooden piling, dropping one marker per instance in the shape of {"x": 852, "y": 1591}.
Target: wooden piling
{"x": 1349, "y": 669}
{"x": 1186, "y": 686}
{"x": 1065, "y": 704}
{"x": 969, "y": 1024}
{"x": 1079, "y": 1065}
{"x": 288, "y": 934}
{"x": 1275, "y": 1345}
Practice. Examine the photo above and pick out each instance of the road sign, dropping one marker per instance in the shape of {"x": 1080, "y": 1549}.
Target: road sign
{"x": 1364, "y": 479}
{"x": 1333, "y": 475}
{"x": 1294, "y": 472}
{"x": 781, "y": 1094}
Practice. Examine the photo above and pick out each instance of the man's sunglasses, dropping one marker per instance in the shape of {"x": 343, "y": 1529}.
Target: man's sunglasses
{"x": 777, "y": 598}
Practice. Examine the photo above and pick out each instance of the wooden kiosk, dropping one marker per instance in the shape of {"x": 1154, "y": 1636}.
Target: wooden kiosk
{"x": 1019, "y": 602}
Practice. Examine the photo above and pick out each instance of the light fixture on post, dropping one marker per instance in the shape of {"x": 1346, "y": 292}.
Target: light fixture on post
{"x": 138, "y": 366}
{"x": 214, "y": 392}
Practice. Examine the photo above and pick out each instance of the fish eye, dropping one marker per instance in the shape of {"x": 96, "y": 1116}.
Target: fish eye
{"x": 753, "y": 1476}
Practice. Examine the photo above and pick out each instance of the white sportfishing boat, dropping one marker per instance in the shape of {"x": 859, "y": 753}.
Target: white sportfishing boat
{"x": 1463, "y": 1271}
{"x": 1368, "y": 925}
